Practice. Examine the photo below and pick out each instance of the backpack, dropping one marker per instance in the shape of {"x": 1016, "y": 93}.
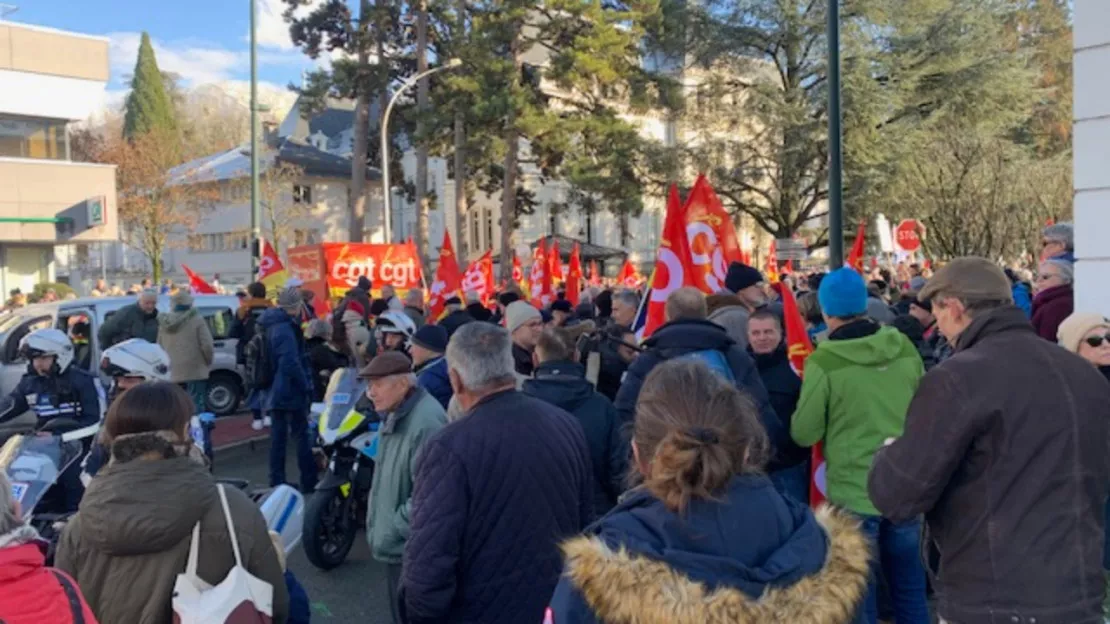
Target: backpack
{"x": 715, "y": 360}
{"x": 241, "y": 598}
{"x": 258, "y": 365}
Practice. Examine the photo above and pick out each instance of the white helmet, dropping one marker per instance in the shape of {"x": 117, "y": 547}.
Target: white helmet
{"x": 48, "y": 342}
{"x": 136, "y": 358}
{"x": 394, "y": 322}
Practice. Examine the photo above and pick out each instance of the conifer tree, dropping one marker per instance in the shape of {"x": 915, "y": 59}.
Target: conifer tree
{"x": 149, "y": 108}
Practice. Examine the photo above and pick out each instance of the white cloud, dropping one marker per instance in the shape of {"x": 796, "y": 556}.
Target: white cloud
{"x": 196, "y": 62}
{"x": 273, "y": 30}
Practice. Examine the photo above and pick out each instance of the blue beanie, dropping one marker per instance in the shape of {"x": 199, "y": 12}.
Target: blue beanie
{"x": 843, "y": 293}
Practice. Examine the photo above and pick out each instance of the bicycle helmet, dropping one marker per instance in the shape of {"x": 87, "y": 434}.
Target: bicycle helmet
{"x": 43, "y": 342}
{"x": 136, "y": 358}
{"x": 394, "y": 322}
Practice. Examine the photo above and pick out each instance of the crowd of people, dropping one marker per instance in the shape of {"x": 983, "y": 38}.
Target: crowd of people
{"x": 542, "y": 465}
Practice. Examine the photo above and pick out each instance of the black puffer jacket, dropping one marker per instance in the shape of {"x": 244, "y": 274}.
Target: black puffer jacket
{"x": 684, "y": 337}
{"x": 564, "y": 384}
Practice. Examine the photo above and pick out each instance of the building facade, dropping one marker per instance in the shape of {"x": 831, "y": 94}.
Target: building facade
{"x": 50, "y": 206}
{"x": 1091, "y": 148}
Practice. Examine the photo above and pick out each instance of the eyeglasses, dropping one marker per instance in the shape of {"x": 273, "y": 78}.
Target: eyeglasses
{"x": 1044, "y": 277}
{"x": 1096, "y": 341}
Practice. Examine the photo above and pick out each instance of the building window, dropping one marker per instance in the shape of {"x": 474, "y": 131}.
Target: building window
{"x": 489, "y": 229}
{"x": 304, "y": 237}
{"x": 27, "y": 137}
{"x": 475, "y": 231}
{"x": 302, "y": 194}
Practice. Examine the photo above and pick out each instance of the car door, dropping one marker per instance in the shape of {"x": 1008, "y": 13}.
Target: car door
{"x": 225, "y": 382}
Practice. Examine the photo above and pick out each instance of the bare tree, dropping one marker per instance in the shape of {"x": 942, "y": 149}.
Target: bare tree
{"x": 281, "y": 209}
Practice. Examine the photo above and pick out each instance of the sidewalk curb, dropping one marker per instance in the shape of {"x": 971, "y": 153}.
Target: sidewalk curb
{"x": 243, "y": 442}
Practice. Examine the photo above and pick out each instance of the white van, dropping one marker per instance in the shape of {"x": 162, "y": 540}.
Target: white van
{"x": 225, "y": 380}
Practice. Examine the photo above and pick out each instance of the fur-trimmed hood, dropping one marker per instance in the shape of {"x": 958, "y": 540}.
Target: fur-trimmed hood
{"x": 620, "y": 586}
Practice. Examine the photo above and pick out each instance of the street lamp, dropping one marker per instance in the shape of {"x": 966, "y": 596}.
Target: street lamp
{"x": 386, "y": 194}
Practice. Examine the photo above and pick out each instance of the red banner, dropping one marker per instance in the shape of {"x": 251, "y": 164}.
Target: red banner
{"x": 479, "y": 277}
{"x": 711, "y": 237}
{"x": 672, "y": 262}
{"x": 331, "y": 269}
{"x": 772, "y": 265}
{"x": 855, "y": 257}
{"x": 555, "y": 262}
{"x": 628, "y": 277}
{"x": 542, "y": 292}
{"x": 518, "y": 274}
{"x": 595, "y": 274}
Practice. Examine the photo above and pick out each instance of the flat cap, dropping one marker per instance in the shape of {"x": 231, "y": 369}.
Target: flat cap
{"x": 971, "y": 279}
{"x": 387, "y": 364}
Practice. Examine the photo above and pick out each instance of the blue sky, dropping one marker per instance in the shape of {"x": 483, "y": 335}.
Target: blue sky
{"x": 202, "y": 40}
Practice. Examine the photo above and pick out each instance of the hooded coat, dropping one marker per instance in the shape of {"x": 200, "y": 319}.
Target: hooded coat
{"x": 1050, "y": 307}
{"x": 686, "y": 336}
{"x": 188, "y": 341}
{"x": 564, "y": 385}
{"x": 646, "y": 564}
{"x": 131, "y": 538}
{"x": 292, "y": 387}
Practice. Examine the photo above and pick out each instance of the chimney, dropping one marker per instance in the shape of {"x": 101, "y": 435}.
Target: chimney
{"x": 270, "y": 133}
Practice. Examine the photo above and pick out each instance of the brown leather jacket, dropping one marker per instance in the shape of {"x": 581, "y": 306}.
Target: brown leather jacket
{"x": 1005, "y": 452}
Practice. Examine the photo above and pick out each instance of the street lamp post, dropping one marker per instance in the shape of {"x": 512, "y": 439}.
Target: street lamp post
{"x": 386, "y": 194}
{"x": 256, "y": 211}
{"x": 836, "y": 153}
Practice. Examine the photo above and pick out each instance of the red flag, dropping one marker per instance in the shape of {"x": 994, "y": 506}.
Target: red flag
{"x": 518, "y": 274}
{"x": 271, "y": 271}
{"x": 479, "y": 277}
{"x": 595, "y": 275}
{"x": 574, "y": 275}
{"x": 673, "y": 269}
{"x": 447, "y": 282}
{"x": 788, "y": 266}
{"x": 798, "y": 348}
{"x": 197, "y": 285}
{"x": 540, "y": 279}
{"x": 772, "y": 266}
{"x": 628, "y": 277}
{"x": 555, "y": 261}
{"x": 711, "y": 238}
{"x": 855, "y": 257}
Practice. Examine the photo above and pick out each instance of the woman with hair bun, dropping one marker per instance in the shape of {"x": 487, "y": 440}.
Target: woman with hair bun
{"x": 706, "y": 538}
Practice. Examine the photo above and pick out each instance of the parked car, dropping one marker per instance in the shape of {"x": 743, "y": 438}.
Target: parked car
{"x": 225, "y": 380}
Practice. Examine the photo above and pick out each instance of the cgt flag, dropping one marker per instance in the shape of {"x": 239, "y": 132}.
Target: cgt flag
{"x": 711, "y": 238}
{"x": 479, "y": 277}
{"x": 855, "y": 257}
{"x": 574, "y": 275}
{"x": 540, "y": 279}
{"x": 628, "y": 278}
{"x": 197, "y": 285}
{"x": 271, "y": 271}
{"x": 772, "y": 266}
{"x": 673, "y": 268}
{"x": 448, "y": 281}
{"x": 798, "y": 348}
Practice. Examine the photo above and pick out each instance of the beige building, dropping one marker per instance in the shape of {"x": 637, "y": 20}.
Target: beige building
{"x": 48, "y": 78}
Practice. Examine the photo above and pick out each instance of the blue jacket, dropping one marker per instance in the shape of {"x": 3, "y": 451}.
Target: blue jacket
{"x": 494, "y": 494}
{"x": 432, "y": 376}
{"x": 1022, "y": 298}
{"x": 644, "y": 563}
{"x": 74, "y": 394}
{"x": 683, "y": 337}
{"x": 292, "y": 389}
{"x": 564, "y": 385}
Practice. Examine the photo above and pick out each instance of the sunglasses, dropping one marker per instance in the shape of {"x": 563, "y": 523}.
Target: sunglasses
{"x": 1096, "y": 341}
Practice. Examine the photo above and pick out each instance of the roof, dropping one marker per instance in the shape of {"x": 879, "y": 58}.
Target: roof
{"x": 235, "y": 163}
{"x": 589, "y": 251}
{"x": 339, "y": 115}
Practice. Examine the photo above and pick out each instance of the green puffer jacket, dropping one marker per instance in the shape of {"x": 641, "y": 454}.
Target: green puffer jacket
{"x": 400, "y": 439}
{"x": 129, "y": 322}
{"x": 857, "y": 387}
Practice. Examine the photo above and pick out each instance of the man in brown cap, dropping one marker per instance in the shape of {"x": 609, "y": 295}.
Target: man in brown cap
{"x": 409, "y": 416}
{"x": 1004, "y": 451}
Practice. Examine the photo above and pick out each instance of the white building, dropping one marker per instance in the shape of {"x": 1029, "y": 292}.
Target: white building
{"x": 1091, "y": 147}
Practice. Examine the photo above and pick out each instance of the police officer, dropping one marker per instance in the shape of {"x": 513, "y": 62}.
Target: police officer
{"x": 395, "y": 330}
{"x": 52, "y": 388}
{"x": 129, "y": 364}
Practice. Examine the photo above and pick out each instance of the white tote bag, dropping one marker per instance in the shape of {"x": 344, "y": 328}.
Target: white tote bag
{"x": 240, "y": 598}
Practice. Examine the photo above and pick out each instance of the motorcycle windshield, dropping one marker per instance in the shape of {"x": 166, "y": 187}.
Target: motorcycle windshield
{"x": 33, "y": 463}
{"x": 344, "y": 390}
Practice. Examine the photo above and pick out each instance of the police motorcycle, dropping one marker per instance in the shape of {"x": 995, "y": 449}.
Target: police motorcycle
{"x": 347, "y": 434}
{"x": 37, "y": 458}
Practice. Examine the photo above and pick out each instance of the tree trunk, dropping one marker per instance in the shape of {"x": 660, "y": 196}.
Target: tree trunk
{"x": 512, "y": 149}
{"x": 421, "y": 129}
{"x": 357, "y": 200}
{"x": 460, "y": 153}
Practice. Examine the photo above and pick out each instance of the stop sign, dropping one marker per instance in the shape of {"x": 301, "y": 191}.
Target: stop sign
{"x": 907, "y": 236}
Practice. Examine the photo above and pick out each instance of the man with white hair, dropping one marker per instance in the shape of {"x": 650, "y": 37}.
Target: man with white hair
{"x": 410, "y": 416}
{"x": 1058, "y": 241}
{"x": 414, "y": 306}
{"x": 138, "y": 320}
{"x": 1054, "y": 300}
{"x": 495, "y": 494}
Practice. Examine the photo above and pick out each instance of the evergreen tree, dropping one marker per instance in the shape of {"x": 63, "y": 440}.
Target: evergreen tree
{"x": 149, "y": 108}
